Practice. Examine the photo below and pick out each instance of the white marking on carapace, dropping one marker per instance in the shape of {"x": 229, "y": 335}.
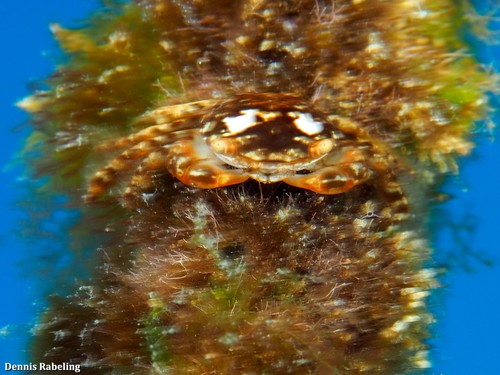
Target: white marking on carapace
{"x": 269, "y": 116}
{"x": 306, "y": 124}
{"x": 239, "y": 124}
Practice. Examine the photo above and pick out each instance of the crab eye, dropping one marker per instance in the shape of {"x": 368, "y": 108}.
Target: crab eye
{"x": 224, "y": 146}
{"x": 320, "y": 148}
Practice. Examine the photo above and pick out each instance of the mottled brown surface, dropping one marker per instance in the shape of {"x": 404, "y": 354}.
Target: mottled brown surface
{"x": 251, "y": 278}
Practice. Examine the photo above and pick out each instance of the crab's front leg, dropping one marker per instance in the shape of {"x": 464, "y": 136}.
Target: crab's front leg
{"x": 336, "y": 175}
{"x": 191, "y": 163}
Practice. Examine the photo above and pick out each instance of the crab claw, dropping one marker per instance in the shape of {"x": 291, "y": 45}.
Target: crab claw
{"x": 188, "y": 163}
{"x": 332, "y": 180}
{"x": 206, "y": 175}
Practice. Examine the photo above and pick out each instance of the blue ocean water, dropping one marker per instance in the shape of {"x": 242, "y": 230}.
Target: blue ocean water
{"x": 468, "y": 306}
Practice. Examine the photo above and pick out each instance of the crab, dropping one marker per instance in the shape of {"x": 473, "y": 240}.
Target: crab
{"x": 266, "y": 137}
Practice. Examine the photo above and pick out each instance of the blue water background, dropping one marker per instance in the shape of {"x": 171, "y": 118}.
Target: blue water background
{"x": 468, "y": 307}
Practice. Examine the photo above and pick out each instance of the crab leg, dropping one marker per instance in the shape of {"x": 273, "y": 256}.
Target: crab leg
{"x": 107, "y": 176}
{"x": 169, "y": 113}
